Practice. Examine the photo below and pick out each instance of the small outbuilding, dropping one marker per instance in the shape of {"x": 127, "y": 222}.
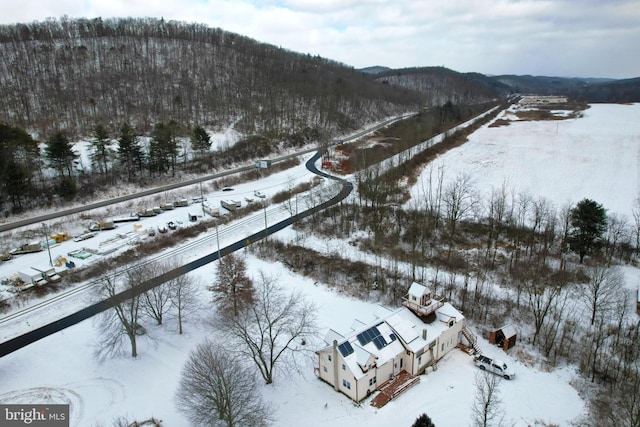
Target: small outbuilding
{"x": 504, "y": 337}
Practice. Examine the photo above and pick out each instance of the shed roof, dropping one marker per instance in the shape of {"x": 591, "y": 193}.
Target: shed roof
{"x": 508, "y": 331}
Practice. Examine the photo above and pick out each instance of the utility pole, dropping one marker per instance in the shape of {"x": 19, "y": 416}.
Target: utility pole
{"x": 264, "y": 207}
{"x": 201, "y": 199}
{"x": 46, "y": 242}
{"x": 218, "y": 239}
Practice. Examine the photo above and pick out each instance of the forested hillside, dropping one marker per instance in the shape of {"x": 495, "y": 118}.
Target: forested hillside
{"x": 112, "y": 81}
{"x": 439, "y": 85}
{"x": 74, "y": 74}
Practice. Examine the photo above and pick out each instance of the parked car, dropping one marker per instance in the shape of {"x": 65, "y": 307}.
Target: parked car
{"x": 227, "y": 189}
{"x": 494, "y": 365}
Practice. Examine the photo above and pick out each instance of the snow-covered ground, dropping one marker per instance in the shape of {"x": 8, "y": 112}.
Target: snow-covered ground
{"x": 564, "y": 161}
{"x": 62, "y": 369}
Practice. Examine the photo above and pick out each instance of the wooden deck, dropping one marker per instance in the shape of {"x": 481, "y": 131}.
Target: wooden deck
{"x": 401, "y": 383}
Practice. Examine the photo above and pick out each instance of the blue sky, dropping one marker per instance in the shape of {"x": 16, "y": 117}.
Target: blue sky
{"x": 581, "y": 38}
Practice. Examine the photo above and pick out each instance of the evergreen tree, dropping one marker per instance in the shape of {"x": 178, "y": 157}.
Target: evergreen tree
{"x": 101, "y": 150}
{"x": 19, "y": 154}
{"x": 59, "y": 152}
{"x": 200, "y": 139}
{"x": 588, "y": 223}
{"x": 129, "y": 150}
{"x": 423, "y": 421}
{"x": 164, "y": 147}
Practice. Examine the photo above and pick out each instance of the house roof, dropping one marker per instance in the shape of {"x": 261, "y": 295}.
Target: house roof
{"x": 388, "y": 336}
{"x": 332, "y": 336}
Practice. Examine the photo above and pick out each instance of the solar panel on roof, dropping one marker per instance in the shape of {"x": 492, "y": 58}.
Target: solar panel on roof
{"x": 345, "y": 348}
{"x": 365, "y": 337}
{"x": 380, "y": 342}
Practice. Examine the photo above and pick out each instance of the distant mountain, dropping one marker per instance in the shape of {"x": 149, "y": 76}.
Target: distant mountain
{"x": 376, "y": 69}
{"x": 587, "y": 89}
{"x": 438, "y": 85}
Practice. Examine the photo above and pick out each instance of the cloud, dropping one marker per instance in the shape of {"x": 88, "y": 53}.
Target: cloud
{"x": 551, "y": 37}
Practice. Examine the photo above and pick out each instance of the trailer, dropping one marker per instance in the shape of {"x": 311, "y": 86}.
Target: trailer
{"x": 48, "y": 273}
{"x": 34, "y": 278}
{"x": 131, "y": 218}
{"x": 210, "y": 210}
{"x": 102, "y": 225}
{"x": 230, "y": 205}
{"x": 27, "y": 248}
{"x": 147, "y": 213}
{"x": 263, "y": 164}
{"x": 181, "y": 203}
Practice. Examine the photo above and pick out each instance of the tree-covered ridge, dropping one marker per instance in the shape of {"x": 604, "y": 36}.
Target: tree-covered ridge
{"x": 72, "y": 74}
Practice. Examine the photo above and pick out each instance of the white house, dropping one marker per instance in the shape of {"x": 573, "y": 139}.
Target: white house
{"x": 409, "y": 338}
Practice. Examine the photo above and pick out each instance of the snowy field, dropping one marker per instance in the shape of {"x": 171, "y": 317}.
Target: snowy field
{"x": 595, "y": 156}
{"x": 564, "y": 161}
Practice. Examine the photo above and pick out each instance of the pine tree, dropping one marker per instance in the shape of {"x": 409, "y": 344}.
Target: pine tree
{"x": 200, "y": 139}
{"x": 59, "y": 151}
{"x": 129, "y": 150}
{"x": 423, "y": 421}
{"x": 101, "y": 150}
{"x": 588, "y": 224}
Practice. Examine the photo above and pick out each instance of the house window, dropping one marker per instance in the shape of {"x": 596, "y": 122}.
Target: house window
{"x": 442, "y": 347}
{"x": 370, "y": 381}
{"x": 346, "y": 384}
{"x": 325, "y": 368}
{"x": 344, "y": 368}
{"x": 420, "y": 360}
{"x": 329, "y": 358}
{"x": 375, "y": 380}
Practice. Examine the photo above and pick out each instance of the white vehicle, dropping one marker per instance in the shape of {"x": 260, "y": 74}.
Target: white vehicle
{"x": 258, "y": 194}
{"x": 494, "y": 365}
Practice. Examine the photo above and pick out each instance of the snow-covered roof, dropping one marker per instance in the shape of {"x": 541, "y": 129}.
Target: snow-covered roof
{"x": 332, "y": 336}
{"x": 388, "y": 336}
{"x": 508, "y": 331}
{"x": 357, "y": 324}
{"x": 417, "y": 290}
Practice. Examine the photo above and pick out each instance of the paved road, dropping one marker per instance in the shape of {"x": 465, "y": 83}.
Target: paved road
{"x": 155, "y": 190}
{"x": 88, "y": 312}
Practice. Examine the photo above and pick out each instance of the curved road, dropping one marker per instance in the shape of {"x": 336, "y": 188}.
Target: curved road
{"x": 103, "y": 203}
{"x": 88, "y": 312}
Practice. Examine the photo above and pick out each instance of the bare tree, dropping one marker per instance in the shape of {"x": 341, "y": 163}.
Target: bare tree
{"x": 600, "y": 294}
{"x": 636, "y": 223}
{"x": 234, "y": 289}
{"x": 542, "y": 300}
{"x": 616, "y": 234}
{"x": 487, "y": 407}
{"x": 217, "y": 390}
{"x": 156, "y": 301}
{"x": 276, "y": 326}
{"x": 184, "y": 298}
{"x": 459, "y": 199}
{"x": 120, "y": 324}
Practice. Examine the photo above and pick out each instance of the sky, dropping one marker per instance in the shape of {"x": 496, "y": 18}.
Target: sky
{"x": 567, "y": 38}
